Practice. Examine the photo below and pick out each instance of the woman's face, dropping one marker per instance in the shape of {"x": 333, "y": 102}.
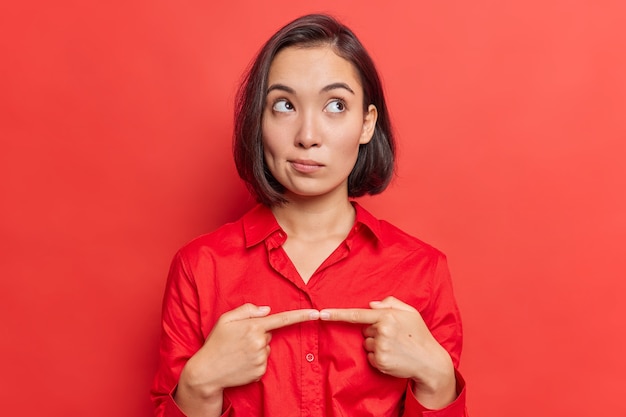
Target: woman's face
{"x": 314, "y": 122}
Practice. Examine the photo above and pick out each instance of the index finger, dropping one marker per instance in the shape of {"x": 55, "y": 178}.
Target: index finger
{"x": 350, "y": 315}
{"x": 287, "y": 318}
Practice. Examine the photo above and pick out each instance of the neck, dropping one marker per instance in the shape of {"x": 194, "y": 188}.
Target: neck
{"x": 314, "y": 219}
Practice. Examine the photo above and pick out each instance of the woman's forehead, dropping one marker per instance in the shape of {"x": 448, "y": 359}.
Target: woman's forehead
{"x": 315, "y": 66}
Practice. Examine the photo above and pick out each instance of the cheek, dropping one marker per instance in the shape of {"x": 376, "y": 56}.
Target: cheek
{"x": 350, "y": 139}
{"x": 271, "y": 149}
{"x": 269, "y": 146}
{"x": 272, "y": 136}
{"x": 266, "y": 140}
{"x": 267, "y": 154}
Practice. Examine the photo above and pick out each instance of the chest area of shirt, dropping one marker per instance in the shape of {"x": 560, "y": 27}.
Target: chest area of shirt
{"x": 343, "y": 280}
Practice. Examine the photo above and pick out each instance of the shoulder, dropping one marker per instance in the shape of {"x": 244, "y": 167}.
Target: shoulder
{"x": 234, "y": 238}
{"x": 224, "y": 237}
{"x": 395, "y": 239}
{"x": 399, "y": 239}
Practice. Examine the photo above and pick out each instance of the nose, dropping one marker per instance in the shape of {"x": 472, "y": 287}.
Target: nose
{"x": 308, "y": 135}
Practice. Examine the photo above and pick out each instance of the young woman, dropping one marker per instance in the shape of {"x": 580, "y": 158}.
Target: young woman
{"x": 308, "y": 305}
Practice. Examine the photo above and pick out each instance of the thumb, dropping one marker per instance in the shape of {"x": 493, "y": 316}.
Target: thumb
{"x": 245, "y": 311}
{"x": 391, "y": 302}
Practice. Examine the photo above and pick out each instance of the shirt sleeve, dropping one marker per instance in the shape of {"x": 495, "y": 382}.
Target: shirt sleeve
{"x": 444, "y": 322}
{"x": 442, "y": 313}
{"x": 413, "y": 408}
{"x": 169, "y": 408}
{"x": 181, "y": 337}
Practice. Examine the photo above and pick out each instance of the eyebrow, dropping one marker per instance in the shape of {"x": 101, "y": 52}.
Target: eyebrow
{"x": 281, "y": 87}
{"x": 329, "y": 87}
{"x": 335, "y": 86}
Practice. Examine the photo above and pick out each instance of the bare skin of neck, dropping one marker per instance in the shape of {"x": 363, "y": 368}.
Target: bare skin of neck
{"x": 314, "y": 230}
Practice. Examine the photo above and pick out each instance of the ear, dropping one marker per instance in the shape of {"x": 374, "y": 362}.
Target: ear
{"x": 369, "y": 124}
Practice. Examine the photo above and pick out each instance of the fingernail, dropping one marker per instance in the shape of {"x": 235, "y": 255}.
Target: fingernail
{"x": 324, "y": 315}
{"x": 314, "y": 315}
{"x": 264, "y": 309}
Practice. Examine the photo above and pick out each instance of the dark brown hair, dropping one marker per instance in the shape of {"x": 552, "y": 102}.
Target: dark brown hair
{"x": 374, "y": 167}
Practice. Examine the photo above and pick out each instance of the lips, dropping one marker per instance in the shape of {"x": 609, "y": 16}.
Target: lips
{"x": 305, "y": 166}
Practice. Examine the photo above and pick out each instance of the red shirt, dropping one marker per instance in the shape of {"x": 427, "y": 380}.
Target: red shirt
{"x": 315, "y": 368}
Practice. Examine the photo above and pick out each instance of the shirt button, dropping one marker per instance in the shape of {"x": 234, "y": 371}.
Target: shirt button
{"x": 309, "y": 357}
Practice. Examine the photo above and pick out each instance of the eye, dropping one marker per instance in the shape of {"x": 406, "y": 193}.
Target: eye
{"x": 336, "y": 106}
{"x": 282, "y": 106}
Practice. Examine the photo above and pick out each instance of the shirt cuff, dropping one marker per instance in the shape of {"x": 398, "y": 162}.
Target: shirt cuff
{"x": 456, "y": 408}
{"x": 171, "y": 409}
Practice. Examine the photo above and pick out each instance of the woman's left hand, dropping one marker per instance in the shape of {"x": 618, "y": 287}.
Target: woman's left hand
{"x": 398, "y": 343}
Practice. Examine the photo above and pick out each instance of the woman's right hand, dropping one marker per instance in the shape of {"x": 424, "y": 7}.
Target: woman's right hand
{"x": 235, "y": 353}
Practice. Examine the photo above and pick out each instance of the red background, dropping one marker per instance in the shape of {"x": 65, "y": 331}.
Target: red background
{"x": 116, "y": 123}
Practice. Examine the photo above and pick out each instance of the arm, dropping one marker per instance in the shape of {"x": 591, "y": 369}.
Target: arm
{"x": 424, "y": 348}
{"x": 181, "y": 336}
{"x": 194, "y": 372}
{"x": 234, "y": 354}
{"x": 442, "y": 317}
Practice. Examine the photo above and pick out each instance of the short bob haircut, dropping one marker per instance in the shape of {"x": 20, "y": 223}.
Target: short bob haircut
{"x": 374, "y": 167}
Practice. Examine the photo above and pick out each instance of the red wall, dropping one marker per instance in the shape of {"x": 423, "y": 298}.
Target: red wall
{"x": 116, "y": 119}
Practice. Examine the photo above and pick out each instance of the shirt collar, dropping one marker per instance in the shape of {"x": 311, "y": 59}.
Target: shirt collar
{"x": 259, "y": 223}
{"x": 365, "y": 218}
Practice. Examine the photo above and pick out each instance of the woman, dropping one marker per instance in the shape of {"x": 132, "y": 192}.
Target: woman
{"x": 308, "y": 305}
